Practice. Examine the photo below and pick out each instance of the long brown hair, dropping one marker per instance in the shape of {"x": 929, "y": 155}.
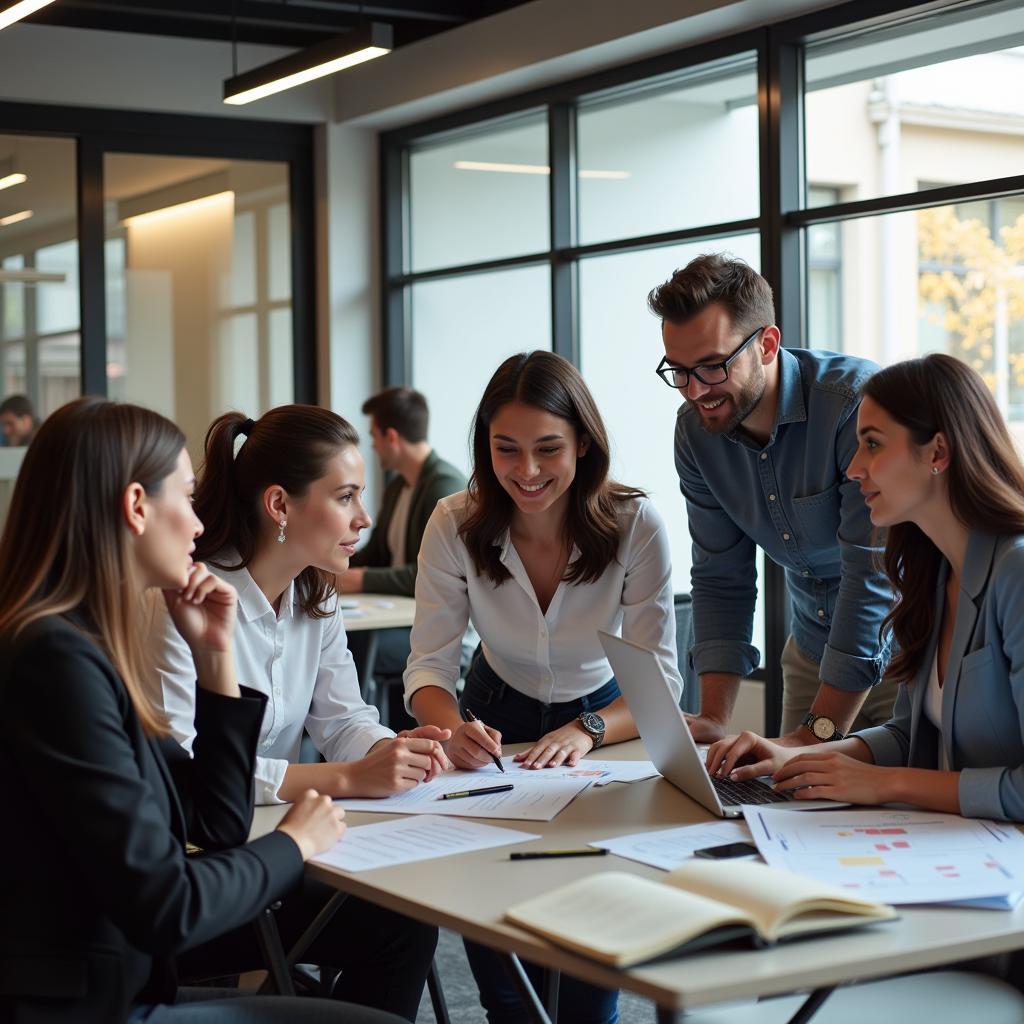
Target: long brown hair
{"x": 289, "y": 446}
{"x": 549, "y": 382}
{"x": 985, "y": 484}
{"x": 65, "y": 546}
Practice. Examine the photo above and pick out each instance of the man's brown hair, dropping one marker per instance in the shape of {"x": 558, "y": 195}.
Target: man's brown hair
{"x": 402, "y": 408}
{"x": 743, "y": 292}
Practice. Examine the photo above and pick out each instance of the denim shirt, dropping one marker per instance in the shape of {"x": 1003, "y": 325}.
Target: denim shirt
{"x": 791, "y": 498}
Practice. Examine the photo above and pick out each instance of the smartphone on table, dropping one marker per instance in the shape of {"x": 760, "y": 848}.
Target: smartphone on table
{"x": 726, "y": 851}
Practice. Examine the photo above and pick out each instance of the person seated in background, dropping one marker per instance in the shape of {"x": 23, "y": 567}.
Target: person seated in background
{"x": 541, "y": 551}
{"x": 938, "y": 468}
{"x": 282, "y": 500}
{"x": 18, "y": 420}
{"x": 399, "y": 420}
{"x": 101, "y": 802}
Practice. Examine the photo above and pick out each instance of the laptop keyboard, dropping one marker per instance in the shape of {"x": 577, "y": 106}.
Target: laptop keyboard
{"x": 751, "y": 791}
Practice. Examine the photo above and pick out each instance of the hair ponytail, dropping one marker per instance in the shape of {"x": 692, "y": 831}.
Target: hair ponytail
{"x": 288, "y": 446}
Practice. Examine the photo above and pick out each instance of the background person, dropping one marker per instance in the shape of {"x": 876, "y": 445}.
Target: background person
{"x": 761, "y": 444}
{"x": 540, "y": 552}
{"x": 18, "y": 420}
{"x": 100, "y": 801}
{"x": 399, "y": 421}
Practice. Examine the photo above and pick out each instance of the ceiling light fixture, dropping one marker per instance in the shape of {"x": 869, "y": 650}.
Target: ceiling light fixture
{"x": 14, "y": 218}
{"x": 10, "y": 13}
{"x": 335, "y": 54}
{"x": 9, "y": 175}
{"x": 189, "y": 206}
{"x": 484, "y": 165}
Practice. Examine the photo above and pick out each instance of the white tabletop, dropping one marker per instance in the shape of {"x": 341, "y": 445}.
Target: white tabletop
{"x": 468, "y": 893}
{"x": 377, "y": 611}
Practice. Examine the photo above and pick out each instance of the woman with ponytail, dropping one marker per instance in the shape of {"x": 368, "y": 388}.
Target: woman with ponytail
{"x": 100, "y": 896}
{"x": 282, "y": 497}
{"x": 938, "y": 469}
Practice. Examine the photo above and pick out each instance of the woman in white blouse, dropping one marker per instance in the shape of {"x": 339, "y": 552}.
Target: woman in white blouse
{"x": 284, "y": 511}
{"x": 540, "y": 552}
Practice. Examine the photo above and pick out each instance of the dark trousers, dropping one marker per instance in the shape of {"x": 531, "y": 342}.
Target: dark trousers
{"x": 384, "y": 958}
{"x": 392, "y": 652}
{"x": 522, "y": 719}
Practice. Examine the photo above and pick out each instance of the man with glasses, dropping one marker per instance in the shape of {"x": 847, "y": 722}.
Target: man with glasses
{"x": 762, "y": 442}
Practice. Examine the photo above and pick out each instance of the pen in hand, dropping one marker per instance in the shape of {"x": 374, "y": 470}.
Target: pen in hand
{"x": 470, "y": 717}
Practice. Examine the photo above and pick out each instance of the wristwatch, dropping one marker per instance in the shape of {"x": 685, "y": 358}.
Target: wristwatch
{"x": 822, "y": 727}
{"x": 593, "y": 726}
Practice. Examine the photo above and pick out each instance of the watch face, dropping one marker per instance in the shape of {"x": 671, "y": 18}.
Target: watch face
{"x": 594, "y": 724}
{"x": 824, "y": 728}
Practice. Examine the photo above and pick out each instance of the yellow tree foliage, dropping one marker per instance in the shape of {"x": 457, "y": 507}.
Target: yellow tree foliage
{"x": 964, "y": 301}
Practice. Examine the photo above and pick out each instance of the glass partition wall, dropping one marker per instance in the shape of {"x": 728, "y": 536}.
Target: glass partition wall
{"x": 872, "y": 170}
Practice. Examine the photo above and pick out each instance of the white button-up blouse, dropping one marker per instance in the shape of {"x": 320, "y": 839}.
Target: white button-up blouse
{"x": 554, "y": 656}
{"x": 302, "y": 664}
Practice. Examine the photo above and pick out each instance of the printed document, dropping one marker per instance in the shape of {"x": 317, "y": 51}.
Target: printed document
{"x": 403, "y": 840}
{"x": 668, "y": 848}
{"x": 894, "y": 856}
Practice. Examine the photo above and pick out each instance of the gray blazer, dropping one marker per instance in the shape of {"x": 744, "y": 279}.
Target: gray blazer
{"x": 983, "y": 690}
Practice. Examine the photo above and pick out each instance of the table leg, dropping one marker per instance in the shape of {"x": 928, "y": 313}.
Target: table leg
{"x": 811, "y": 1005}
{"x": 437, "y": 1000}
{"x": 316, "y": 926}
{"x": 549, "y": 991}
{"x": 279, "y": 974}
{"x": 526, "y": 991}
{"x": 666, "y": 1015}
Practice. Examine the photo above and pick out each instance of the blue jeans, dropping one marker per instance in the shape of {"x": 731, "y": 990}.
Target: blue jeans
{"x": 522, "y": 719}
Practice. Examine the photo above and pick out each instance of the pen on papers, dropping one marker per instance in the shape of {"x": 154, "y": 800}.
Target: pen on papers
{"x": 470, "y": 717}
{"x": 586, "y": 851}
{"x": 477, "y": 792}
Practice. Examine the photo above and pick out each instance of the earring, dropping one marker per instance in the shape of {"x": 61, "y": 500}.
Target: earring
{"x": 281, "y": 525}
{"x": 935, "y": 470}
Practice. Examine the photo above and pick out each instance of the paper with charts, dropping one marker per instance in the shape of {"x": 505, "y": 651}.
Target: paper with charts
{"x": 537, "y": 795}
{"x": 403, "y": 840}
{"x": 894, "y": 856}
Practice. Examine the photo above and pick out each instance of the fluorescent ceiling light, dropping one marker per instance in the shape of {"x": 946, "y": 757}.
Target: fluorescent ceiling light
{"x": 336, "y": 54}
{"x": 190, "y": 206}
{"x": 483, "y": 165}
{"x": 10, "y": 13}
{"x": 14, "y": 218}
{"x": 12, "y": 179}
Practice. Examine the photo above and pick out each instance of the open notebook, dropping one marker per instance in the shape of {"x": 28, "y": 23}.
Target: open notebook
{"x": 622, "y": 919}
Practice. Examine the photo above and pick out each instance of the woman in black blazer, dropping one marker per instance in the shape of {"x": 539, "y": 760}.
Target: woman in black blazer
{"x": 99, "y": 895}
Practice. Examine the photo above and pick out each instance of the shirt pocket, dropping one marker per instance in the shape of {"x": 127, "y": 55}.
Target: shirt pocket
{"x": 982, "y": 712}
{"x": 817, "y": 518}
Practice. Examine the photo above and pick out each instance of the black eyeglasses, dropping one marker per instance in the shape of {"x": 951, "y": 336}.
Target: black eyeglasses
{"x": 712, "y": 373}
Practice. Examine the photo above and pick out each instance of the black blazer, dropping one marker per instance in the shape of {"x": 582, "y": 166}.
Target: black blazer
{"x": 97, "y": 895}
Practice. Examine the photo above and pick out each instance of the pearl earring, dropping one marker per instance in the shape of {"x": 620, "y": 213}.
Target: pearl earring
{"x": 281, "y": 525}
{"x": 935, "y": 470}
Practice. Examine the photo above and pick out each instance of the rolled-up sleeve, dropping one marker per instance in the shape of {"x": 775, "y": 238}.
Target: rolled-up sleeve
{"x": 648, "y": 605}
{"x": 854, "y": 657}
{"x": 340, "y": 723}
{"x": 442, "y": 609}
{"x": 722, "y": 579}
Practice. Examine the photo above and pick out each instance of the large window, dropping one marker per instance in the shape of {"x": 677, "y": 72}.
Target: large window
{"x": 873, "y": 171}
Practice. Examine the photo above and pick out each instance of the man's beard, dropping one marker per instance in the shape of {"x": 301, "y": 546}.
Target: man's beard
{"x": 743, "y": 404}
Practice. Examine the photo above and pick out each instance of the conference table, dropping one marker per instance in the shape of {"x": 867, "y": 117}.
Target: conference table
{"x": 469, "y": 893}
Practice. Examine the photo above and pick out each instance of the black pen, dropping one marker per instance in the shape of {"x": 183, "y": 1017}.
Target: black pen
{"x": 477, "y": 792}
{"x": 586, "y": 851}
{"x": 470, "y": 717}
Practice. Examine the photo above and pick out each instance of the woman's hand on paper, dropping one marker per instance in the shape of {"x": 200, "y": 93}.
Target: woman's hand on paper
{"x": 439, "y": 736}
{"x": 393, "y": 766}
{"x": 474, "y": 745}
{"x": 314, "y": 823}
{"x": 825, "y": 774}
{"x": 564, "y": 746}
{"x": 746, "y": 756}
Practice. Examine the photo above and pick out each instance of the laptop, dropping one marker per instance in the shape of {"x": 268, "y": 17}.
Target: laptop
{"x": 669, "y": 743}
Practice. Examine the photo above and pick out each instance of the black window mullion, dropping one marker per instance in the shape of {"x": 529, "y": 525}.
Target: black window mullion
{"x": 304, "y": 289}
{"x": 562, "y": 209}
{"x": 780, "y": 99}
{"x": 92, "y": 295}
{"x": 396, "y": 352}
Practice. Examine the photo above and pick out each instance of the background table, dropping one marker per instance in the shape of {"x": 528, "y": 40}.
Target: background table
{"x": 469, "y": 893}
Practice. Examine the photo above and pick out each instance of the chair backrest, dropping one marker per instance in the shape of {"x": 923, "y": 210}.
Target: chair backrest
{"x": 690, "y": 700}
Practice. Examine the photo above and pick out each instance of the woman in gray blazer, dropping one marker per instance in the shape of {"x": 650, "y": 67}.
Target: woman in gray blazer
{"x": 938, "y": 469}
